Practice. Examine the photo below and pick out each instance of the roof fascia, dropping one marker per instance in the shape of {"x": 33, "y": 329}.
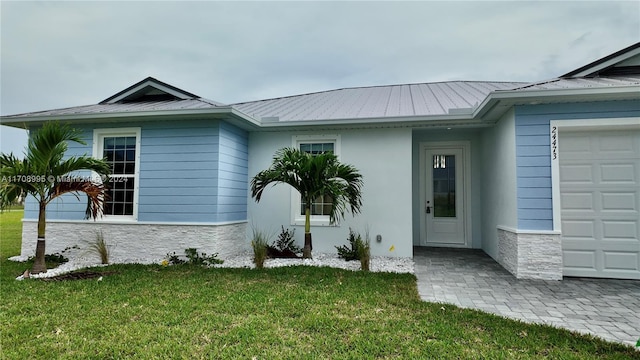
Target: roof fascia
{"x": 169, "y": 89}
{"x": 498, "y": 102}
{"x": 224, "y": 112}
{"x": 399, "y": 121}
{"x": 604, "y": 62}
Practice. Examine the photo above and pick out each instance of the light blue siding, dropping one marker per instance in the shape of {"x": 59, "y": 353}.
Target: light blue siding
{"x": 233, "y": 173}
{"x": 533, "y": 154}
{"x": 190, "y": 171}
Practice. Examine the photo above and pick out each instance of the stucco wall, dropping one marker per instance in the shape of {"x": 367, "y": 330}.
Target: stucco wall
{"x": 383, "y": 157}
{"x": 498, "y": 191}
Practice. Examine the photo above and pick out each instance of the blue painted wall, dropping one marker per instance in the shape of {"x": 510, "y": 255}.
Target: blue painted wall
{"x": 190, "y": 171}
{"x": 233, "y": 173}
{"x": 533, "y": 153}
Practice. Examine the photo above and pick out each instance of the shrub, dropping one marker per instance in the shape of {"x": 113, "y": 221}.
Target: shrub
{"x": 286, "y": 242}
{"x": 52, "y": 260}
{"x": 350, "y": 252}
{"x": 284, "y": 246}
{"x": 174, "y": 259}
{"x": 193, "y": 258}
{"x": 100, "y": 248}
{"x": 358, "y": 249}
{"x": 364, "y": 253}
{"x": 259, "y": 243}
{"x": 201, "y": 259}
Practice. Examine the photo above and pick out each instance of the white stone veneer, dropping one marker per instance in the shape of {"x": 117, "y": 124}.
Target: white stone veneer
{"x": 530, "y": 255}
{"x": 131, "y": 242}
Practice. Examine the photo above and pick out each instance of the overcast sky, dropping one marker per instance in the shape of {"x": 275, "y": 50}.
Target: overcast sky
{"x": 61, "y": 54}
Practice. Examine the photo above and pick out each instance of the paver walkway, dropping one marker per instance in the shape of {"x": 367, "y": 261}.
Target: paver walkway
{"x": 471, "y": 279}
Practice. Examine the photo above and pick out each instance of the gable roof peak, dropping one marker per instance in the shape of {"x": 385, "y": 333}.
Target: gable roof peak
{"x": 149, "y": 89}
{"x": 613, "y": 64}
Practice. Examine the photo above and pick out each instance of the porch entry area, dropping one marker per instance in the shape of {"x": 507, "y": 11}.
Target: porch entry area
{"x": 444, "y": 194}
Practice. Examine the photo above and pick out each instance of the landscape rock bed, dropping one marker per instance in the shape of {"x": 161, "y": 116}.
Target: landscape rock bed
{"x": 245, "y": 260}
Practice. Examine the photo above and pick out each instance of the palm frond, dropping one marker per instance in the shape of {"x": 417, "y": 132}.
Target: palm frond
{"x": 95, "y": 192}
{"x": 313, "y": 176}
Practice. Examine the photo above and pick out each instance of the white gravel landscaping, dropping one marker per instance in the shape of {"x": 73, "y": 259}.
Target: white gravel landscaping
{"x": 377, "y": 264}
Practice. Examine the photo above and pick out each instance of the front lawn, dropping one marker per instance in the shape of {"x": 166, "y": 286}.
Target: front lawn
{"x": 298, "y": 312}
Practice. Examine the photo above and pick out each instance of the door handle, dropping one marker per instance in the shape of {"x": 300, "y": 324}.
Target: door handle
{"x": 428, "y": 209}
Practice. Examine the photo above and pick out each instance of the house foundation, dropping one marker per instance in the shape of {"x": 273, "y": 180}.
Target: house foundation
{"x": 136, "y": 242}
{"x": 530, "y": 254}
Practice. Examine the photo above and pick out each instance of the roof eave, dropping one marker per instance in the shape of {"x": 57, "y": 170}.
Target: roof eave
{"x": 444, "y": 120}
{"x": 498, "y": 102}
{"x": 227, "y": 113}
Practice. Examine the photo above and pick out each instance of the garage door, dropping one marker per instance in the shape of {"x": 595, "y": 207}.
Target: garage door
{"x": 600, "y": 203}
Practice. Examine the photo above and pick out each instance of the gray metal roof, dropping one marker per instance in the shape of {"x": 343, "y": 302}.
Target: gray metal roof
{"x": 378, "y": 102}
{"x": 190, "y": 104}
{"x": 581, "y": 83}
{"x": 425, "y": 99}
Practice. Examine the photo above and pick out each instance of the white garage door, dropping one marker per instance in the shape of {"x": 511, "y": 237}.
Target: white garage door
{"x": 600, "y": 202}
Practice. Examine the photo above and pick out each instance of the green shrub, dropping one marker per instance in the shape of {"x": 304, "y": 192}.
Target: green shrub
{"x": 174, "y": 259}
{"x": 358, "y": 249}
{"x": 52, "y": 260}
{"x": 202, "y": 259}
{"x": 351, "y": 252}
{"x": 286, "y": 242}
{"x": 193, "y": 258}
{"x": 260, "y": 244}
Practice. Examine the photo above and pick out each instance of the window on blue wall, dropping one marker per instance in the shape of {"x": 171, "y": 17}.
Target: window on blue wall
{"x": 120, "y": 148}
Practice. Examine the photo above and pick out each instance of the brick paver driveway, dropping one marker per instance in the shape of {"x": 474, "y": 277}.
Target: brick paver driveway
{"x": 470, "y": 278}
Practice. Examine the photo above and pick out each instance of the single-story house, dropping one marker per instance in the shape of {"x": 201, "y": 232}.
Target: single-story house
{"x": 544, "y": 177}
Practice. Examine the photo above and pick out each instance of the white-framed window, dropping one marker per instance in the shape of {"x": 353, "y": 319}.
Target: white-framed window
{"x": 321, "y": 207}
{"x": 120, "y": 147}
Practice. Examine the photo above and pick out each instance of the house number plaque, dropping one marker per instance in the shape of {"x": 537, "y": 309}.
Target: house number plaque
{"x": 554, "y": 142}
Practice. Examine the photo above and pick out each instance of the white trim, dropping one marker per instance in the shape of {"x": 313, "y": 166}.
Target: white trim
{"x": 316, "y": 220}
{"x": 528, "y": 232}
{"x": 124, "y": 222}
{"x": 556, "y": 127}
{"x": 153, "y": 84}
{"x": 98, "y": 135}
{"x": 466, "y": 157}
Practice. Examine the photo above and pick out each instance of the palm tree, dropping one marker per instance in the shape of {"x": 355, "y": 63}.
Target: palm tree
{"x": 44, "y": 175}
{"x": 313, "y": 176}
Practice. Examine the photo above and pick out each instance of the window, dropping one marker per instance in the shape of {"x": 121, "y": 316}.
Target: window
{"x": 120, "y": 148}
{"x": 321, "y": 207}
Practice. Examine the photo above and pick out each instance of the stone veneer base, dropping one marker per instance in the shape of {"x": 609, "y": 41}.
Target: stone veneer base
{"x": 130, "y": 242}
{"x": 530, "y": 254}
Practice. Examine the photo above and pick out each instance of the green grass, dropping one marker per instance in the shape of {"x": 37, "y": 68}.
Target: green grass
{"x": 300, "y": 312}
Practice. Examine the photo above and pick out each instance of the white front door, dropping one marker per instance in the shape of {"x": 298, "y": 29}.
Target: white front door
{"x": 444, "y": 203}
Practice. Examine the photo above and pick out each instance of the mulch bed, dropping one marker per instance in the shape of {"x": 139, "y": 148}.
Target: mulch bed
{"x": 79, "y": 275}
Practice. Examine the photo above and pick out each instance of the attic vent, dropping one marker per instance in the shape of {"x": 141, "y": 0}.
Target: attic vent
{"x": 148, "y": 94}
{"x": 149, "y": 98}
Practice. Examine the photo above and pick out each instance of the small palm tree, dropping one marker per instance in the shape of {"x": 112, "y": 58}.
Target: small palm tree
{"x": 313, "y": 176}
{"x": 44, "y": 175}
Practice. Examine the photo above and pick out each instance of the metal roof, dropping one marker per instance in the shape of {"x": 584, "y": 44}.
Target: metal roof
{"x": 426, "y": 99}
{"x": 580, "y": 83}
{"x": 132, "y": 107}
